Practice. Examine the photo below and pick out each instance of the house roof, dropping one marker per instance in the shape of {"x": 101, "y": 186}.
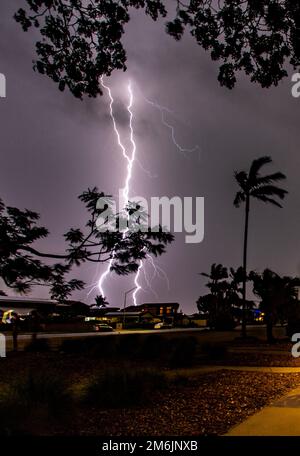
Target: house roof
{"x": 73, "y": 303}
{"x": 106, "y": 308}
{"x": 19, "y": 311}
{"x": 26, "y": 300}
{"x": 120, "y": 314}
{"x": 20, "y": 302}
{"x": 159, "y": 304}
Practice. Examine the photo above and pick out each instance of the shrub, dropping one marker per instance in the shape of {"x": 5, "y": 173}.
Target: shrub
{"x": 155, "y": 347}
{"x": 47, "y": 388}
{"x": 91, "y": 346}
{"x": 38, "y": 345}
{"x": 183, "y": 352}
{"x": 129, "y": 345}
{"x": 43, "y": 395}
{"x": 119, "y": 387}
{"x": 102, "y": 347}
{"x": 72, "y": 346}
{"x": 225, "y": 323}
{"x": 215, "y": 351}
{"x": 12, "y": 416}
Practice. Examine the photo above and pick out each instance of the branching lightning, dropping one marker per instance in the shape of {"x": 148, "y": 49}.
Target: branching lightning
{"x": 163, "y": 110}
{"x": 158, "y": 271}
{"x": 106, "y": 272}
{"x": 149, "y": 281}
{"x": 130, "y": 159}
{"x": 136, "y": 283}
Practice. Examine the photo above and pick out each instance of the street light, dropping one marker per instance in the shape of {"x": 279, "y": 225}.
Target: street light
{"x": 125, "y": 298}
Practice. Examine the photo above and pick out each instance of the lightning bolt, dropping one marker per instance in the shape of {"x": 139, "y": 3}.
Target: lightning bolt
{"x": 130, "y": 160}
{"x": 136, "y": 283}
{"x": 126, "y": 190}
{"x": 163, "y": 110}
{"x": 146, "y": 171}
{"x": 123, "y": 150}
{"x": 149, "y": 282}
{"x": 158, "y": 271}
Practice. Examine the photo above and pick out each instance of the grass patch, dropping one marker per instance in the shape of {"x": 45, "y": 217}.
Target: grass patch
{"x": 42, "y": 396}
{"x": 215, "y": 352}
{"x": 38, "y": 346}
{"x": 124, "y": 387}
{"x": 183, "y": 352}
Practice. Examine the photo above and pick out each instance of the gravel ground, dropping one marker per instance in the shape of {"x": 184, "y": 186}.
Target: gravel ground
{"x": 258, "y": 359}
{"x": 210, "y": 405}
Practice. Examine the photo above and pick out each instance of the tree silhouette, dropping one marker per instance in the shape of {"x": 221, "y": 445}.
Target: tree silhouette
{"x": 19, "y": 269}
{"x": 82, "y": 40}
{"x": 262, "y": 188}
{"x": 277, "y": 295}
{"x": 217, "y": 274}
{"x": 101, "y": 301}
{"x": 234, "y": 289}
{"x": 208, "y": 304}
{"x": 224, "y": 300}
{"x": 211, "y": 303}
{"x": 20, "y": 260}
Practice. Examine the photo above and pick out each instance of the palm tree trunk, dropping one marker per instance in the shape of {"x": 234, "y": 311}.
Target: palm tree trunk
{"x": 244, "y": 316}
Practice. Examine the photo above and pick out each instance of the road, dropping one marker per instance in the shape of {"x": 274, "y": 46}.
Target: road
{"x": 55, "y": 339}
{"x": 112, "y": 333}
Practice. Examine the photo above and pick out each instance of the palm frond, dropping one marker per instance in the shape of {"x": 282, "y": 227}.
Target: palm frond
{"x": 239, "y": 199}
{"x": 264, "y": 180}
{"x": 257, "y": 165}
{"x": 204, "y": 274}
{"x": 269, "y": 190}
{"x": 242, "y": 179}
{"x": 266, "y": 199}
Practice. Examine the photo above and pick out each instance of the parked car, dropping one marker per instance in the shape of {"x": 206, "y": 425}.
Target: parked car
{"x": 102, "y": 327}
{"x": 162, "y": 325}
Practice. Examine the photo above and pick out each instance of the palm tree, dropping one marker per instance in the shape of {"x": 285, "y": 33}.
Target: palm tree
{"x": 234, "y": 289}
{"x": 217, "y": 274}
{"x": 277, "y": 295}
{"x": 253, "y": 184}
{"x": 101, "y": 301}
{"x": 217, "y": 286}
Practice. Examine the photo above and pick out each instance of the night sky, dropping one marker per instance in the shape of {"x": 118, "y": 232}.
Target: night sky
{"x": 54, "y": 146}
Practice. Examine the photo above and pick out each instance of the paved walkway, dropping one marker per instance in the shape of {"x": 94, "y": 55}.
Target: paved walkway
{"x": 282, "y": 418}
{"x": 194, "y": 371}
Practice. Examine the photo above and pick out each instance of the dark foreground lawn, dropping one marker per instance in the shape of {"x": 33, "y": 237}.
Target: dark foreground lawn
{"x": 71, "y": 394}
